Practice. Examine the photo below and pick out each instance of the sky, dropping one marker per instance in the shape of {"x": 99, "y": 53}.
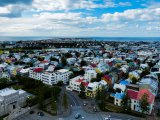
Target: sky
{"x": 80, "y": 18}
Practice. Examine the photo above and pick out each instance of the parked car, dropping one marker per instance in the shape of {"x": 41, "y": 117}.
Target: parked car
{"x": 77, "y": 116}
{"x": 31, "y": 112}
{"x": 40, "y": 113}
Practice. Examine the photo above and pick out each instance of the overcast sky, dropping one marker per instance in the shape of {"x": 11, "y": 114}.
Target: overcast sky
{"x": 112, "y": 18}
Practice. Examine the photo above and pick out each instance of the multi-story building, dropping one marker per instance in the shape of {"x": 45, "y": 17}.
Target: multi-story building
{"x": 76, "y": 82}
{"x": 89, "y": 74}
{"x": 11, "y": 99}
{"x": 50, "y": 78}
{"x": 92, "y": 89}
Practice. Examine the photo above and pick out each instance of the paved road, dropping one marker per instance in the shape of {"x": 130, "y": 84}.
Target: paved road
{"x": 76, "y": 108}
{"x": 72, "y": 99}
{"x": 34, "y": 116}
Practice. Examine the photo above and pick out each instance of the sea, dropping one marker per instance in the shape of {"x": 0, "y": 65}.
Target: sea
{"x": 27, "y": 38}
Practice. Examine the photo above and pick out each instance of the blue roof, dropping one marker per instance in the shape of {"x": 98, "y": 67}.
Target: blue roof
{"x": 119, "y": 95}
{"x": 123, "y": 82}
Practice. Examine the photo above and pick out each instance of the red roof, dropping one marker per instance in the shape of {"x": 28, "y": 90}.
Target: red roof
{"x": 93, "y": 65}
{"x": 85, "y": 84}
{"x": 44, "y": 61}
{"x": 107, "y": 77}
{"x": 138, "y": 94}
{"x": 80, "y": 80}
{"x": 132, "y": 94}
{"x": 38, "y": 70}
{"x": 110, "y": 63}
{"x": 151, "y": 97}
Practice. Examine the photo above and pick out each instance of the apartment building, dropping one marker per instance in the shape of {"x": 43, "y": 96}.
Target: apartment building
{"x": 48, "y": 77}
{"x": 89, "y": 74}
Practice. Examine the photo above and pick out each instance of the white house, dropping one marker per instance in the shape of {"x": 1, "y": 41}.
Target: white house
{"x": 11, "y": 99}
{"x": 136, "y": 96}
{"x": 24, "y": 70}
{"x": 89, "y": 74}
{"x": 75, "y": 83}
{"x": 120, "y": 92}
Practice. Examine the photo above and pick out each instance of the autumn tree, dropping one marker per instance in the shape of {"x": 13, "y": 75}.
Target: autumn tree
{"x": 144, "y": 105}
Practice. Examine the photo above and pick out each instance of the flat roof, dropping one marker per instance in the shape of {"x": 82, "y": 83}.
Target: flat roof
{"x": 7, "y": 91}
{"x": 62, "y": 70}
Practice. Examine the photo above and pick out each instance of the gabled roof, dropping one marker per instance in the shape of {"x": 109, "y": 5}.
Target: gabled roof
{"x": 132, "y": 94}
{"x": 150, "y": 95}
{"x": 137, "y": 95}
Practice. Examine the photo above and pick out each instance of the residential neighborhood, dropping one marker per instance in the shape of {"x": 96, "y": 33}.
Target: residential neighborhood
{"x": 93, "y": 77}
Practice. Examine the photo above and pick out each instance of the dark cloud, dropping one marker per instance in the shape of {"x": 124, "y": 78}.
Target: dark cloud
{"x": 14, "y": 12}
{"x": 18, "y": 6}
{"x": 7, "y": 2}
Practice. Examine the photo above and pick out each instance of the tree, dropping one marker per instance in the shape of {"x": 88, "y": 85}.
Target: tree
{"x": 68, "y": 55}
{"x": 53, "y": 105}
{"x": 100, "y": 75}
{"x": 82, "y": 92}
{"x": 145, "y": 72}
{"x": 134, "y": 80}
{"x": 126, "y": 103}
{"x": 54, "y": 59}
{"x": 65, "y": 101}
{"x": 95, "y": 80}
{"x": 144, "y": 105}
{"x": 55, "y": 90}
{"x": 98, "y": 94}
{"x": 31, "y": 101}
{"x": 101, "y": 95}
{"x": 30, "y": 64}
{"x": 64, "y": 61}
{"x": 60, "y": 83}
{"x": 40, "y": 58}
{"x": 41, "y": 98}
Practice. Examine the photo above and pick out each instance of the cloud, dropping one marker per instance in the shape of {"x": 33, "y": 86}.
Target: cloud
{"x": 49, "y": 21}
{"x": 12, "y": 11}
{"x": 13, "y": 8}
{"x": 49, "y": 5}
{"x": 133, "y": 15}
{"x": 8, "y": 2}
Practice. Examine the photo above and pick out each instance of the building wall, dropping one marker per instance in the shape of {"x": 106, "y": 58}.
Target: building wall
{"x": 89, "y": 75}
{"x": 50, "y": 78}
{"x": 117, "y": 101}
{"x": 12, "y": 101}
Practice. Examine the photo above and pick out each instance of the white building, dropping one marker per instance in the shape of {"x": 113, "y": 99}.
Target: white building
{"x": 89, "y": 74}
{"x": 92, "y": 89}
{"x": 50, "y": 78}
{"x": 120, "y": 92}
{"x": 75, "y": 83}
{"x": 11, "y": 99}
{"x": 136, "y": 96}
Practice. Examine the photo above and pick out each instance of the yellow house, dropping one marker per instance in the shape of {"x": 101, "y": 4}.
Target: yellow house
{"x": 92, "y": 89}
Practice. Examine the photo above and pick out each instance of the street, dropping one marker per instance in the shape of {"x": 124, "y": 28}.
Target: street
{"x": 76, "y": 106}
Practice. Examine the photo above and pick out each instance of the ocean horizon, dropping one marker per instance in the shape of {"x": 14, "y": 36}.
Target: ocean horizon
{"x": 30, "y": 38}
